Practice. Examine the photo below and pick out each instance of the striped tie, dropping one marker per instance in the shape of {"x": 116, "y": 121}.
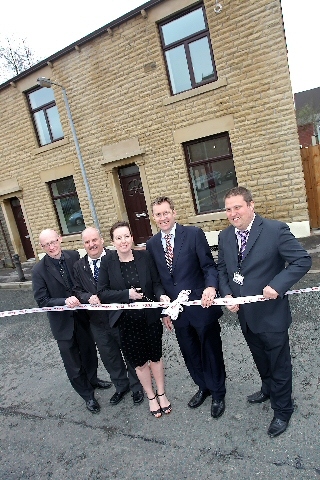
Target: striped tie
{"x": 243, "y": 235}
{"x": 169, "y": 251}
{"x": 95, "y": 269}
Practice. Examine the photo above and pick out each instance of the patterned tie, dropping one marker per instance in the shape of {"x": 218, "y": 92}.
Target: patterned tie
{"x": 169, "y": 251}
{"x": 95, "y": 269}
{"x": 243, "y": 235}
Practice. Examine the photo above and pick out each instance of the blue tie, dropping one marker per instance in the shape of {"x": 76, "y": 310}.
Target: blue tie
{"x": 95, "y": 269}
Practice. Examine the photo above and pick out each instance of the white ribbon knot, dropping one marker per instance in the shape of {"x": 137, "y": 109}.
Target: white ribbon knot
{"x": 175, "y": 307}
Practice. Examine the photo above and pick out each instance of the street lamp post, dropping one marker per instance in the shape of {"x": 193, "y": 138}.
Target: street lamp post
{"x": 46, "y": 82}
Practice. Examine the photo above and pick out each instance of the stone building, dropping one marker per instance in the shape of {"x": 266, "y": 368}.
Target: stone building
{"x": 177, "y": 97}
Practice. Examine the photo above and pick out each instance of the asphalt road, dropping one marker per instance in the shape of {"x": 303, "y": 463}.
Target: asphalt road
{"x": 47, "y": 433}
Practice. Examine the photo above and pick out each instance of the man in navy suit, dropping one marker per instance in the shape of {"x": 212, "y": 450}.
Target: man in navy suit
{"x": 258, "y": 256}
{"x": 191, "y": 267}
{"x": 52, "y": 281}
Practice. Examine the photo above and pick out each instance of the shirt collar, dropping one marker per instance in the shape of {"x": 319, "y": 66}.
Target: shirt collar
{"x": 90, "y": 260}
{"x": 248, "y": 227}
{"x": 172, "y": 232}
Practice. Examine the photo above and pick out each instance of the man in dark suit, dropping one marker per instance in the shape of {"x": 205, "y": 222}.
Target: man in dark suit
{"x": 260, "y": 256}
{"x": 86, "y": 271}
{"x": 52, "y": 281}
{"x": 185, "y": 262}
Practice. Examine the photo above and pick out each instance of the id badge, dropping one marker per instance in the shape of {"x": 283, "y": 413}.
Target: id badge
{"x": 238, "y": 278}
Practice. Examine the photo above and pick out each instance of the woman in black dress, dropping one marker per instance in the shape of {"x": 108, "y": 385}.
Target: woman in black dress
{"x": 126, "y": 276}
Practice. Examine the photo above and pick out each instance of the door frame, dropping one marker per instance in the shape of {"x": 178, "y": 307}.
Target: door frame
{"x": 12, "y": 226}
{"x": 114, "y": 181}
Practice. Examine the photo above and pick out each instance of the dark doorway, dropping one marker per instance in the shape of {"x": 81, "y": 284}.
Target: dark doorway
{"x": 135, "y": 203}
{"x": 22, "y": 227}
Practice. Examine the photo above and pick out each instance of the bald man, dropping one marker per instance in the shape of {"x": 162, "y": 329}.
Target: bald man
{"x": 86, "y": 270}
{"x": 52, "y": 281}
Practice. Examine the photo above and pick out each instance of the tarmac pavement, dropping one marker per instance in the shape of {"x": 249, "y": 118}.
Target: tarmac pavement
{"x": 47, "y": 433}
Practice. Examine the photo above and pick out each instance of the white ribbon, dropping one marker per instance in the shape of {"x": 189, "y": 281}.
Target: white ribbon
{"x": 173, "y": 309}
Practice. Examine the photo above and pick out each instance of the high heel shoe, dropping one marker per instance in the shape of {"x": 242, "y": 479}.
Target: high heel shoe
{"x": 167, "y": 409}
{"x": 155, "y": 413}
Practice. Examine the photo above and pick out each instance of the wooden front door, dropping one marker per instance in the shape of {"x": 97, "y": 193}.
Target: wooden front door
{"x": 22, "y": 227}
{"x": 135, "y": 203}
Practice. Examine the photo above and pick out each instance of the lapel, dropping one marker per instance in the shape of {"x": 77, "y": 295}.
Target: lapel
{"x": 254, "y": 234}
{"x": 115, "y": 272}
{"x": 141, "y": 267}
{"x": 233, "y": 249}
{"x": 178, "y": 242}
{"x": 87, "y": 270}
{"x": 159, "y": 252}
{"x": 51, "y": 269}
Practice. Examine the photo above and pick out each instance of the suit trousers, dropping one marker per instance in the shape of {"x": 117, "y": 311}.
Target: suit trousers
{"x": 271, "y": 354}
{"x": 122, "y": 374}
{"x": 201, "y": 348}
{"x": 76, "y": 354}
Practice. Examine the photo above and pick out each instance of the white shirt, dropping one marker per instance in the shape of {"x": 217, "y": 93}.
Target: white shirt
{"x": 248, "y": 229}
{"x": 90, "y": 260}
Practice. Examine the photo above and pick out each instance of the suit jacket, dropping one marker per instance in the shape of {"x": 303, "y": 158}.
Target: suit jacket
{"x": 272, "y": 257}
{"x": 50, "y": 291}
{"x": 85, "y": 286}
{"x": 193, "y": 267}
{"x": 112, "y": 289}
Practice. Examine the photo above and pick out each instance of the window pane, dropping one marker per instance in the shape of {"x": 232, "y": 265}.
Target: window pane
{"x": 55, "y": 124}
{"x": 209, "y": 149}
{"x": 189, "y": 24}
{"x": 70, "y": 215}
{"x": 42, "y": 128}
{"x": 178, "y": 69}
{"x": 63, "y": 186}
{"x": 201, "y": 60}
{"x": 41, "y": 97}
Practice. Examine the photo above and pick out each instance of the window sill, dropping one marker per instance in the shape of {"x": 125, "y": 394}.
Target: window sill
{"x": 221, "y": 82}
{"x": 51, "y": 146}
{"x": 207, "y": 217}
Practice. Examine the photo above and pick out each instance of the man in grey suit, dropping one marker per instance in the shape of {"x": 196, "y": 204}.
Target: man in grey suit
{"x": 107, "y": 338}
{"x": 52, "y": 281}
{"x": 261, "y": 256}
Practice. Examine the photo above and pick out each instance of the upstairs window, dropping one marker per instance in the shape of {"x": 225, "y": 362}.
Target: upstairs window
{"x": 187, "y": 50}
{"x": 67, "y": 206}
{"x": 45, "y": 115}
{"x": 211, "y": 171}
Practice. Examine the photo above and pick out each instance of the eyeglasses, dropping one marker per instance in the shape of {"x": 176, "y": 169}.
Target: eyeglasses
{"x": 162, "y": 215}
{"x": 50, "y": 244}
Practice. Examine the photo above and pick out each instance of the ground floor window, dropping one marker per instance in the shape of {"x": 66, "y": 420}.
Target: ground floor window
{"x": 211, "y": 171}
{"x": 67, "y": 206}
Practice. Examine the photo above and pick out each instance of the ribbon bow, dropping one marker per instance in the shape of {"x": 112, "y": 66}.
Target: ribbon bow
{"x": 175, "y": 307}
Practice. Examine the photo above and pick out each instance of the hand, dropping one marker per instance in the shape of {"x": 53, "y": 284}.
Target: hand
{"x": 94, "y": 300}
{"x": 72, "y": 302}
{"x": 207, "y": 298}
{"x": 232, "y": 308}
{"x": 167, "y": 322}
{"x": 269, "y": 293}
{"x": 164, "y": 299}
{"x": 134, "y": 295}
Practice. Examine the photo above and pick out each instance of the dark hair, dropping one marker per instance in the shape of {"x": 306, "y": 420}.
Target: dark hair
{"x": 119, "y": 224}
{"x": 244, "y": 192}
{"x": 160, "y": 200}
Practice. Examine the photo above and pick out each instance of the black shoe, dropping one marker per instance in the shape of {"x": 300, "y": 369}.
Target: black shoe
{"x": 258, "y": 397}
{"x": 102, "y": 384}
{"x": 217, "y": 408}
{"x": 117, "y": 397}
{"x": 138, "y": 397}
{"x": 93, "y": 406}
{"x": 198, "y": 398}
{"x": 277, "y": 427}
